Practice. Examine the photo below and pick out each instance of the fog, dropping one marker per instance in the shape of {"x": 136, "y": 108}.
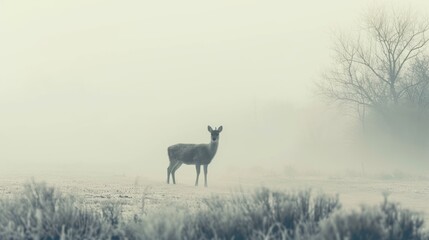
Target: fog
{"x": 107, "y": 86}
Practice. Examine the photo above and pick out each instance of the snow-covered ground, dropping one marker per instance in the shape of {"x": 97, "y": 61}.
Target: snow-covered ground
{"x": 139, "y": 194}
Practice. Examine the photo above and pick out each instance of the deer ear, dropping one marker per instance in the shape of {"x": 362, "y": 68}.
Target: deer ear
{"x": 210, "y": 129}
{"x": 220, "y": 129}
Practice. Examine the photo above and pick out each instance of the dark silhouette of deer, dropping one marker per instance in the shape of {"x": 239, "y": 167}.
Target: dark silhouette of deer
{"x": 193, "y": 154}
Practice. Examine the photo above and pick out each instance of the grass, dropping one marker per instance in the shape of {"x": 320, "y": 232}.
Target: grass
{"x": 386, "y": 221}
{"x": 264, "y": 213}
{"x": 41, "y": 212}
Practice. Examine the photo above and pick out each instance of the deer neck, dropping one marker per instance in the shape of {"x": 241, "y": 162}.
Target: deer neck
{"x": 213, "y": 147}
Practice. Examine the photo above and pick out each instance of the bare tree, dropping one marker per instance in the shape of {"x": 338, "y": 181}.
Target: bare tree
{"x": 417, "y": 96}
{"x": 375, "y": 70}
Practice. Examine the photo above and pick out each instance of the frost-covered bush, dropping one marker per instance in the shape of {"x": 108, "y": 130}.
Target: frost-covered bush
{"x": 41, "y": 212}
{"x": 164, "y": 224}
{"x": 386, "y": 221}
{"x": 263, "y": 214}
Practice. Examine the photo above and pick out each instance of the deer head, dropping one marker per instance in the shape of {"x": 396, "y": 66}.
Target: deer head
{"x": 215, "y": 133}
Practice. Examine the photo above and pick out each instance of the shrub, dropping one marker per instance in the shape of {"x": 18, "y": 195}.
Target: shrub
{"x": 386, "y": 221}
{"x": 263, "y": 214}
{"x": 163, "y": 225}
{"x": 40, "y": 212}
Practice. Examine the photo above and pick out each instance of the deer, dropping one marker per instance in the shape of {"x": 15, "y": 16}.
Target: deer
{"x": 193, "y": 154}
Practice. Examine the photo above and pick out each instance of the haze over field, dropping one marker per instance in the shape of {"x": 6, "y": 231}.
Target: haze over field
{"x": 107, "y": 86}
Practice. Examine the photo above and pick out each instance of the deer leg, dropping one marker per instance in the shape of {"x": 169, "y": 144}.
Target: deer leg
{"x": 173, "y": 164}
{"x": 174, "y": 169}
{"x": 170, "y": 170}
{"x": 205, "y": 174}
{"x": 168, "y": 173}
{"x": 173, "y": 176}
{"x": 198, "y": 168}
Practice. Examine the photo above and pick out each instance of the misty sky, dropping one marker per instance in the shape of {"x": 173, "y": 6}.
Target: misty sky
{"x": 87, "y": 83}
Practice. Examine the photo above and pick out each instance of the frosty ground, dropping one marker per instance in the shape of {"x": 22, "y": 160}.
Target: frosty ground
{"x": 139, "y": 194}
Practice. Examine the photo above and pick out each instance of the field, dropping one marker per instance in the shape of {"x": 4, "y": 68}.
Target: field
{"x": 142, "y": 195}
{"x": 79, "y": 206}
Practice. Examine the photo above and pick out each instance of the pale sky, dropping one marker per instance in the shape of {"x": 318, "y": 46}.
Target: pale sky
{"x": 88, "y": 83}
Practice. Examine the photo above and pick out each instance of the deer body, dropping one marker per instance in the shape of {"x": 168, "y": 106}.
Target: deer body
{"x": 193, "y": 154}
